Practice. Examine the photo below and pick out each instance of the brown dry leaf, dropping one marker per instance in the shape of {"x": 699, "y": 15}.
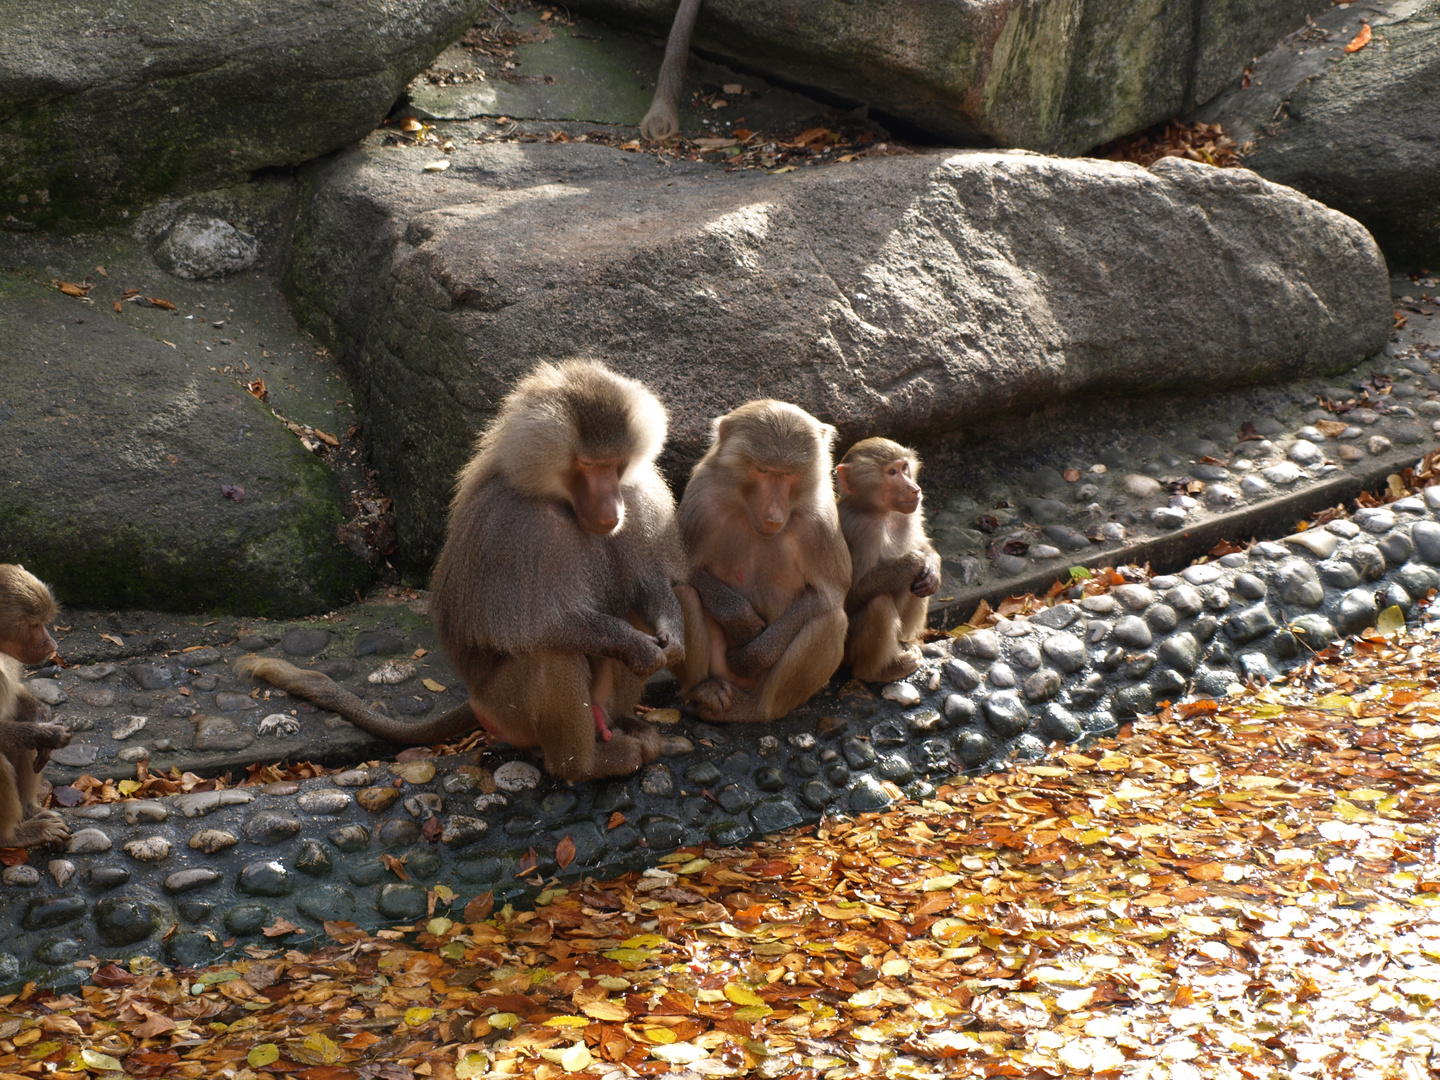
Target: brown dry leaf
{"x": 565, "y": 852}
{"x": 280, "y": 927}
{"x": 69, "y": 288}
{"x": 157, "y": 302}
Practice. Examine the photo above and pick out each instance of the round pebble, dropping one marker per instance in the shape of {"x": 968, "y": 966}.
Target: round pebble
{"x": 517, "y": 776}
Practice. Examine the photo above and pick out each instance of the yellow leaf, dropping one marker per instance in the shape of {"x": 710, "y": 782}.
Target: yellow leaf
{"x": 659, "y": 1035}
{"x": 643, "y": 941}
{"x": 940, "y": 883}
{"x": 567, "y": 1022}
{"x": 606, "y": 1009}
{"x": 99, "y": 1062}
{"x": 323, "y": 1047}
{"x": 469, "y": 1067}
{"x": 262, "y": 1055}
{"x": 128, "y": 787}
{"x": 437, "y": 166}
{"x": 752, "y": 1013}
{"x": 742, "y": 995}
{"x": 504, "y": 1021}
{"x": 1391, "y": 621}
{"x": 432, "y": 686}
{"x": 417, "y": 1015}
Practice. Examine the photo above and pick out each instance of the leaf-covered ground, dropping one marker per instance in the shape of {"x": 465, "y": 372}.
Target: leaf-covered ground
{"x": 1247, "y": 890}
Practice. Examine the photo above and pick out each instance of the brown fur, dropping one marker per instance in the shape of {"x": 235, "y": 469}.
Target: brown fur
{"x": 764, "y": 614}
{"x": 896, "y": 568}
{"x": 26, "y": 734}
{"x": 542, "y": 618}
{"x": 662, "y": 121}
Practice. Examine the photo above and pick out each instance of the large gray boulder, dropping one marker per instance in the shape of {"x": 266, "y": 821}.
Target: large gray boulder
{"x": 903, "y": 295}
{"x": 1359, "y": 131}
{"x": 136, "y": 471}
{"x": 1061, "y": 76}
{"x": 102, "y": 106}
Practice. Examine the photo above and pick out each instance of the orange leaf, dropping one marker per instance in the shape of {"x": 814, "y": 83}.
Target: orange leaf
{"x": 616, "y": 820}
{"x": 280, "y": 927}
{"x": 395, "y": 866}
{"x": 1360, "y": 40}
{"x": 478, "y": 910}
{"x": 14, "y": 856}
{"x": 1210, "y": 871}
{"x": 157, "y": 302}
{"x": 564, "y": 852}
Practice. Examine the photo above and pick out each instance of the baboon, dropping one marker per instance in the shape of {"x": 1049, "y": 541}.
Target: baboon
{"x": 764, "y": 600}
{"x": 663, "y": 120}
{"x": 896, "y": 568}
{"x": 553, "y": 595}
{"x": 26, "y": 734}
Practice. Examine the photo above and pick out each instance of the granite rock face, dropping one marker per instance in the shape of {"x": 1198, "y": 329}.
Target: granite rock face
{"x": 902, "y": 295}
{"x": 1061, "y": 76}
{"x": 107, "y": 105}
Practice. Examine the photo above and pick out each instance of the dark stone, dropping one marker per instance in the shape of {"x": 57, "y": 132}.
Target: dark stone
{"x": 1025, "y": 653}
{"x": 1057, "y": 617}
{"x": 1355, "y": 611}
{"x": 461, "y": 831}
{"x": 1416, "y": 579}
{"x": 245, "y": 919}
{"x": 252, "y": 643}
{"x": 889, "y": 733}
{"x": 196, "y": 911}
{"x": 1314, "y": 631}
{"x": 1133, "y": 700}
{"x": 1338, "y": 575}
{"x": 1396, "y": 548}
{"x": 109, "y": 877}
{"x": 1299, "y": 584}
{"x": 1250, "y": 623}
{"x": 1426, "y": 535}
{"x": 769, "y": 778}
{"x": 657, "y": 779}
{"x": 1367, "y": 561}
{"x": 1058, "y": 724}
{"x": 484, "y": 870}
{"x": 1185, "y": 600}
{"x": 266, "y": 827}
{"x": 305, "y": 641}
{"x": 730, "y": 833}
{"x": 1285, "y": 645}
{"x": 45, "y": 912}
{"x": 1087, "y": 692}
{"x": 410, "y": 705}
{"x": 866, "y": 795}
{"x": 1394, "y": 595}
{"x": 350, "y": 837}
{"x": 195, "y": 877}
{"x": 312, "y": 859}
{"x": 559, "y": 803}
{"x": 1168, "y": 683}
{"x": 703, "y": 773}
{"x": 219, "y": 733}
{"x": 151, "y": 676}
{"x": 1133, "y": 632}
{"x": 1220, "y": 653}
{"x": 124, "y": 920}
{"x": 974, "y": 748}
{"x": 734, "y": 799}
{"x": 772, "y": 815}
{"x": 339, "y": 670}
{"x": 376, "y": 643}
{"x": 228, "y": 702}
{"x": 614, "y": 796}
{"x": 962, "y": 675}
{"x": 625, "y": 838}
{"x": 922, "y": 721}
{"x": 265, "y": 878}
{"x": 666, "y": 833}
{"x": 816, "y": 794}
{"x": 1139, "y": 666}
{"x": 1161, "y": 618}
{"x": 838, "y": 774}
{"x": 1027, "y": 748}
{"x": 804, "y": 766}
{"x": 858, "y": 753}
{"x": 959, "y": 710}
{"x": 56, "y": 952}
{"x": 980, "y": 644}
{"x": 402, "y": 903}
{"x": 1249, "y": 586}
{"x": 1065, "y": 651}
{"x": 397, "y": 832}
{"x": 1066, "y": 538}
{"x": 521, "y": 828}
{"x": 895, "y": 768}
{"x": 933, "y": 755}
{"x": 1043, "y": 685}
{"x": 1181, "y": 651}
{"x": 738, "y": 762}
{"x": 192, "y": 948}
{"x": 1006, "y": 714}
{"x": 326, "y": 903}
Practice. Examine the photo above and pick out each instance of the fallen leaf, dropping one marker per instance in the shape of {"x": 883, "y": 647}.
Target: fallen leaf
{"x": 565, "y": 852}
{"x": 1360, "y": 40}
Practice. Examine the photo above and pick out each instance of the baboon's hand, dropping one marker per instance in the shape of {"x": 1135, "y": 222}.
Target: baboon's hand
{"x": 927, "y": 582}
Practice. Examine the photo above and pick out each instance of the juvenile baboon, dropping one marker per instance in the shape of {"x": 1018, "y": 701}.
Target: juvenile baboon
{"x": 663, "y": 120}
{"x": 764, "y": 600}
{"x": 553, "y": 596}
{"x": 26, "y": 734}
{"x": 896, "y": 568}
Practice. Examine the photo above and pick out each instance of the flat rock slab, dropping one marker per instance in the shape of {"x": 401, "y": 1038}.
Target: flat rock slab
{"x": 106, "y": 107}
{"x": 1359, "y": 131}
{"x": 123, "y": 430}
{"x": 1060, "y": 77}
{"x": 959, "y": 286}
{"x": 177, "y": 877}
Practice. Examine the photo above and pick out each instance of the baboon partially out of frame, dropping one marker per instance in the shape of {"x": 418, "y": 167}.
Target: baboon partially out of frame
{"x": 553, "y": 596}
{"x": 26, "y": 734}
{"x": 764, "y": 600}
